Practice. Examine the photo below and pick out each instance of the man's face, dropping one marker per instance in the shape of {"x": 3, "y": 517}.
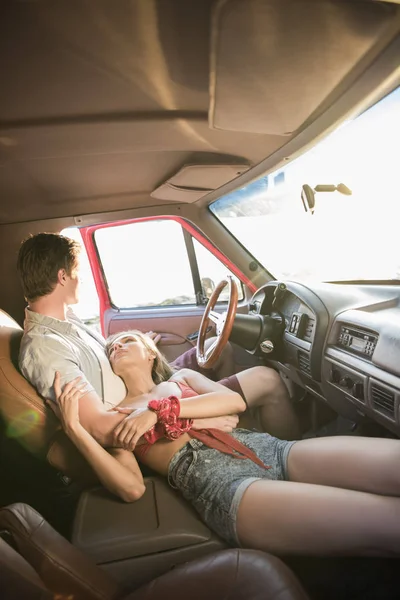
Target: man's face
{"x": 72, "y": 287}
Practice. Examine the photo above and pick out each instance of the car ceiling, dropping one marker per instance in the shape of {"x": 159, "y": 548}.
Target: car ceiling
{"x": 103, "y": 101}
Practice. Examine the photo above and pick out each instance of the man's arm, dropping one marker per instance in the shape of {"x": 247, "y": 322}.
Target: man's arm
{"x": 99, "y": 422}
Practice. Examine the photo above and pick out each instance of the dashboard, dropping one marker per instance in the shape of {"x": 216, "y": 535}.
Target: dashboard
{"x": 341, "y": 342}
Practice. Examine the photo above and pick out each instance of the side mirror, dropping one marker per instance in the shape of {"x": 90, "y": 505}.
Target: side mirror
{"x": 208, "y": 286}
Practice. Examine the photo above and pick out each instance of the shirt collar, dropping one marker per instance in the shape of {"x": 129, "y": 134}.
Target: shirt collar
{"x": 33, "y": 318}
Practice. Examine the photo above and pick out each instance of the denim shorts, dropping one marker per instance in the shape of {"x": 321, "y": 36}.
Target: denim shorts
{"x": 214, "y": 483}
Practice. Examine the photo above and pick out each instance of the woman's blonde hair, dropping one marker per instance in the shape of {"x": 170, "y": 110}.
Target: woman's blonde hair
{"x": 161, "y": 370}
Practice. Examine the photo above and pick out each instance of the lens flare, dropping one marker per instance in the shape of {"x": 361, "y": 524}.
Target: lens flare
{"x": 23, "y": 424}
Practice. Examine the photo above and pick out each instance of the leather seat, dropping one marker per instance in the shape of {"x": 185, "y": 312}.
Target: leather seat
{"x": 40, "y": 564}
{"x": 25, "y": 416}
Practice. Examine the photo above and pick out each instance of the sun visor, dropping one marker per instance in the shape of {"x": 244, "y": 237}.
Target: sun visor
{"x": 274, "y": 62}
{"x": 167, "y": 191}
{"x": 192, "y": 182}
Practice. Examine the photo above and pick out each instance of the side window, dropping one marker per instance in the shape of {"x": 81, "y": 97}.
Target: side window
{"x": 88, "y": 309}
{"x": 212, "y": 271}
{"x": 146, "y": 264}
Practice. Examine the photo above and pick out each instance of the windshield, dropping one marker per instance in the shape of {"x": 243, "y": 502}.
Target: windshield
{"x": 347, "y": 237}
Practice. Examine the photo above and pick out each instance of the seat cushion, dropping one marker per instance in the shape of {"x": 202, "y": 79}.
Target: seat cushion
{"x": 230, "y": 575}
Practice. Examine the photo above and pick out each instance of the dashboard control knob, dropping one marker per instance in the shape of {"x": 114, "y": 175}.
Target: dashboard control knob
{"x": 358, "y": 390}
{"x": 335, "y": 376}
{"x": 346, "y": 382}
{"x": 267, "y": 346}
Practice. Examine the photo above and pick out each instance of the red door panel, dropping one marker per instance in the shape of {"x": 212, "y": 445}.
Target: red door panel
{"x": 173, "y": 324}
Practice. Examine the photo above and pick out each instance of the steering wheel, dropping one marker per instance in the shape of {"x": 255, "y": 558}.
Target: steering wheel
{"x": 223, "y": 324}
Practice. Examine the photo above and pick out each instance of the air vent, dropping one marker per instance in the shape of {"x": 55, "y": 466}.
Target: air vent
{"x": 383, "y": 400}
{"x": 309, "y": 331}
{"x": 304, "y": 363}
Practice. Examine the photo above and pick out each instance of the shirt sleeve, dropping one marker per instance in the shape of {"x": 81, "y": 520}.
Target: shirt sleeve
{"x": 42, "y": 357}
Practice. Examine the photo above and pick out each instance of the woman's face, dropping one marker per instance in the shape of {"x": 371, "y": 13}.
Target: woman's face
{"x": 128, "y": 351}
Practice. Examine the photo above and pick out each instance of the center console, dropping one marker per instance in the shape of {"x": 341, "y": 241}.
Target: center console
{"x": 138, "y": 541}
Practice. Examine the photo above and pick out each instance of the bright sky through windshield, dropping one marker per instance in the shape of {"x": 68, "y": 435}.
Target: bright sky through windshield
{"x": 348, "y": 237}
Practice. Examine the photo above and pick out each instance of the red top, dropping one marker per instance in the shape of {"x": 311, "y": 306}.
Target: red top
{"x": 213, "y": 438}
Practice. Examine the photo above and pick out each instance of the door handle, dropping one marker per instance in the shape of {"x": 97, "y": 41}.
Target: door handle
{"x": 192, "y": 337}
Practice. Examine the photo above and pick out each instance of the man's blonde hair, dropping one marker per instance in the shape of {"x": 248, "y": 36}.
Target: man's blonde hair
{"x": 161, "y": 370}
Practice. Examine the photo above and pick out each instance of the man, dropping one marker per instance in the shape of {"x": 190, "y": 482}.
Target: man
{"x": 56, "y": 340}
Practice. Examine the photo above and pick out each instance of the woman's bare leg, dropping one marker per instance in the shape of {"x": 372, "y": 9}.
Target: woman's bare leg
{"x": 283, "y": 517}
{"x": 355, "y": 463}
{"x": 264, "y": 389}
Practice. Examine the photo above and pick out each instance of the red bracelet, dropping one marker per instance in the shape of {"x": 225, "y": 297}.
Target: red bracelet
{"x": 168, "y": 410}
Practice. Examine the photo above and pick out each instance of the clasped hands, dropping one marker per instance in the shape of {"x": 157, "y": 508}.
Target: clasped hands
{"x": 140, "y": 420}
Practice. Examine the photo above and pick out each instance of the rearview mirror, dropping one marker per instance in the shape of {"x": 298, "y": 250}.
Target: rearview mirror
{"x": 308, "y": 198}
{"x": 308, "y": 193}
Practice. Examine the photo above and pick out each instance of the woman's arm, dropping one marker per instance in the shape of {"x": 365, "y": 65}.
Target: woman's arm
{"x": 214, "y": 399}
{"x": 118, "y": 469}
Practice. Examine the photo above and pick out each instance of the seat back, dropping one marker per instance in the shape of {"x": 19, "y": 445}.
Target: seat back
{"x": 45, "y": 560}
{"x": 17, "y": 578}
{"x": 25, "y": 416}
{"x": 21, "y": 408}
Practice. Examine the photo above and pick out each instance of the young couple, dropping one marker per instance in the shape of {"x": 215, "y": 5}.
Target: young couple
{"x": 337, "y": 495}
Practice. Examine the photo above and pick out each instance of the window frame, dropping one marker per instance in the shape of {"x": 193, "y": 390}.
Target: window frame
{"x": 145, "y": 306}
{"x": 189, "y": 231}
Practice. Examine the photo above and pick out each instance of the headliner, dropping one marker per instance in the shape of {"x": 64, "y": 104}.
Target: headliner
{"x": 102, "y": 101}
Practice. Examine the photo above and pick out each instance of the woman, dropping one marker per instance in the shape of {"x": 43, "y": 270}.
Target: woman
{"x": 323, "y": 496}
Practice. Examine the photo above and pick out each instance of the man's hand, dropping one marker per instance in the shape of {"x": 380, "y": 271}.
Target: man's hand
{"x": 127, "y": 433}
{"x": 227, "y": 423}
{"x": 156, "y": 337}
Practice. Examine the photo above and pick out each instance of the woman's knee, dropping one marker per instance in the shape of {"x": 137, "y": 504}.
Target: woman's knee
{"x": 269, "y": 381}
{"x": 261, "y": 385}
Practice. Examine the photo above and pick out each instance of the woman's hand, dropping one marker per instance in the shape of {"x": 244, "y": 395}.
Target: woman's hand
{"x": 66, "y": 407}
{"x": 156, "y": 337}
{"x": 139, "y": 420}
{"x": 227, "y": 423}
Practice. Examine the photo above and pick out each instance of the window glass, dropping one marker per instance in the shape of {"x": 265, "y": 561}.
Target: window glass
{"x": 212, "y": 271}
{"x": 146, "y": 264}
{"x": 348, "y": 236}
{"x": 88, "y": 309}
